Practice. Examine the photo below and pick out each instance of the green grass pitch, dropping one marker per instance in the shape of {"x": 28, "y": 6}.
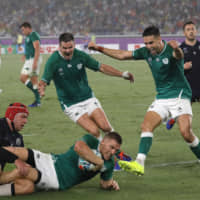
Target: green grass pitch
{"x": 125, "y": 104}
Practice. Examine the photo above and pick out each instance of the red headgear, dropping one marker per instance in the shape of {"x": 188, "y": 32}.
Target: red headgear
{"x": 15, "y": 108}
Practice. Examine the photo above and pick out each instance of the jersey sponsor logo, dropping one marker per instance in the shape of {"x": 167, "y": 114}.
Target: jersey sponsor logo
{"x": 79, "y": 66}
{"x": 165, "y": 61}
{"x": 194, "y": 52}
{"x": 27, "y": 39}
{"x": 157, "y": 59}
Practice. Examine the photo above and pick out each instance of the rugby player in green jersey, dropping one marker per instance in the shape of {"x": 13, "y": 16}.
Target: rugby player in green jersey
{"x": 173, "y": 92}
{"x": 67, "y": 68}
{"x": 31, "y": 67}
{"x": 84, "y": 160}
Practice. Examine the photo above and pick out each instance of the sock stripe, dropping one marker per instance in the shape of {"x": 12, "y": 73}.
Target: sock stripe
{"x": 146, "y": 134}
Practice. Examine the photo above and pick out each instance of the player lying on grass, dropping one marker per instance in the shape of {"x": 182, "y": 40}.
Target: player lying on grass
{"x": 37, "y": 170}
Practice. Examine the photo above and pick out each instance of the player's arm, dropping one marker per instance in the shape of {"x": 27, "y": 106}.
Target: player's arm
{"x": 106, "y": 69}
{"x": 36, "y": 45}
{"x": 84, "y": 151}
{"x": 177, "y": 53}
{"x": 114, "y": 53}
{"x": 109, "y": 184}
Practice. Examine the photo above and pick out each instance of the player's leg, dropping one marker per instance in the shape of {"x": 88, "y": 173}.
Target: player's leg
{"x": 99, "y": 117}
{"x": 89, "y": 125}
{"x": 34, "y": 81}
{"x": 26, "y": 73}
{"x": 18, "y": 187}
{"x": 184, "y": 123}
{"x": 151, "y": 121}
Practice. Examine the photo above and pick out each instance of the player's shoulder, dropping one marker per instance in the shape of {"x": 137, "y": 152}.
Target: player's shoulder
{"x": 78, "y": 52}
{"x": 182, "y": 45}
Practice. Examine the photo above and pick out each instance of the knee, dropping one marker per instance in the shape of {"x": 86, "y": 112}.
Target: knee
{"x": 186, "y": 133}
{"x": 94, "y": 131}
{"x": 146, "y": 127}
{"x": 23, "y": 186}
{"x": 106, "y": 128}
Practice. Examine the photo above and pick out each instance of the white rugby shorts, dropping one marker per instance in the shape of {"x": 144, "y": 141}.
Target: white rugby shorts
{"x": 75, "y": 111}
{"x": 27, "y": 67}
{"x": 171, "y": 108}
{"x": 45, "y": 164}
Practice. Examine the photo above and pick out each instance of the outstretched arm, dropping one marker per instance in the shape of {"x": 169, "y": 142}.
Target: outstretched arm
{"x": 114, "y": 53}
{"x": 177, "y": 53}
{"x": 109, "y": 185}
{"x": 106, "y": 69}
{"x": 84, "y": 151}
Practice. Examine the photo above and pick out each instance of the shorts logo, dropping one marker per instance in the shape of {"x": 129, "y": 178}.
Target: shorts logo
{"x": 38, "y": 155}
{"x": 76, "y": 114}
{"x": 179, "y": 109}
{"x": 165, "y": 61}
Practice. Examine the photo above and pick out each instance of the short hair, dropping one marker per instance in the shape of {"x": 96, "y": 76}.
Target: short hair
{"x": 188, "y": 23}
{"x": 25, "y": 25}
{"x": 66, "y": 37}
{"x": 151, "y": 30}
{"x": 115, "y": 136}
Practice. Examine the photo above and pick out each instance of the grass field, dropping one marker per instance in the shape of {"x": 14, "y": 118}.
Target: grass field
{"x": 169, "y": 175}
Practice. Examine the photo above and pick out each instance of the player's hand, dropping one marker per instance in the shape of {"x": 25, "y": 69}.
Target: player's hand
{"x": 188, "y": 65}
{"x": 114, "y": 185}
{"x": 173, "y": 44}
{"x": 128, "y": 76}
{"x": 41, "y": 88}
{"x": 22, "y": 167}
{"x": 92, "y": 46}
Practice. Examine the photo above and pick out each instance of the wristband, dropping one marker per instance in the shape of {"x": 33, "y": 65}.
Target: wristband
{"x": 125, "y": 74}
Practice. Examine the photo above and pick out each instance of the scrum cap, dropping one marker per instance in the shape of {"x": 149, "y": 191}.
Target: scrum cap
{"x": 15, "y": 108}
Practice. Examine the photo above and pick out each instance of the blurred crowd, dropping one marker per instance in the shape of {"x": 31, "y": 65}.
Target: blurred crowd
{"x": 100, "y": 17}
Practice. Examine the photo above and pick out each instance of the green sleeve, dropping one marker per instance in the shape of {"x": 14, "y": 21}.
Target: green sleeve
{"x": 108, "y": 173}
{"x": 91, "y": 141}
{"x": 139, "y": 54}
{"x": 35, "y": 36}
{"x": 91, "y": 63}
{"x": 48, "y": 71}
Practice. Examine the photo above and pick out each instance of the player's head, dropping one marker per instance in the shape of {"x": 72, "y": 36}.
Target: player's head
{"x": 66, "y": 45}
{"x": 26, "y": 28}
{"x": 190, "y": 30}
{"x": 17, "y": 113}
{"x": 152, "y": 39}
{"x": 110, "y": 145}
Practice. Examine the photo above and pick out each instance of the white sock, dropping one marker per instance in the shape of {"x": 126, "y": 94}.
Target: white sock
{"x": 5, "y": 190}
{"x": 27, "y": 81}
{"x": 141, "y": 158}
{"x": 195, "y": 142}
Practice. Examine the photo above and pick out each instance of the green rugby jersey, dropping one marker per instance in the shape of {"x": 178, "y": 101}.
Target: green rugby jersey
{"x": 67, "y": 166}
{"x": 29, "y": 48}
{"x": 168, "y": 73}
{"x": 70, "y": 76}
